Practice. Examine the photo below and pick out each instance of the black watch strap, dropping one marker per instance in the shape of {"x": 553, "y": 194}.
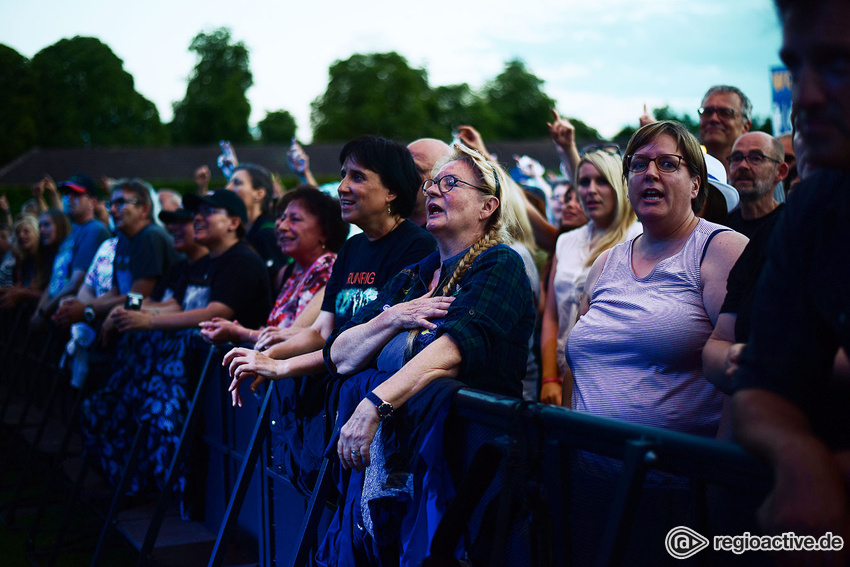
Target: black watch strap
{"x": 385, "y": 409}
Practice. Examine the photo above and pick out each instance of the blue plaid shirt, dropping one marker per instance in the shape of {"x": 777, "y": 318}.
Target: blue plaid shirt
{"x": 490, "y": 320}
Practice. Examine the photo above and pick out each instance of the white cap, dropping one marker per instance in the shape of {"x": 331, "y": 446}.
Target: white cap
{"x": 717, "y": 177}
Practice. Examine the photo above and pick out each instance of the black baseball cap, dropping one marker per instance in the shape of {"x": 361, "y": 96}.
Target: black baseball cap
{"x": 180, "y": 216}
{"x": 223, "y": 198}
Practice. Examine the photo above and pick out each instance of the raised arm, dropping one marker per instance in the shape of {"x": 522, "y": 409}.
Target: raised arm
{"x": 564, "y": 135}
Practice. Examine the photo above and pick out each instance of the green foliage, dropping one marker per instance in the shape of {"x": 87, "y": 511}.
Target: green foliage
{"x": 455, "y": 105}
{"x": 215, "y": 106}
{"x": 381, "y": 94}
{"x": 624, "y": 135}
{"x": 17, "y": 113}
{"x": 585, "y": 133}
{"x": 84, "y": 97}
{"x": 373, "y": 94}
{"x": 762, "y": 125}
{"x": 516, "y": 98}
{"x": 664, "y": 113}
{"x": 277, "y": 127}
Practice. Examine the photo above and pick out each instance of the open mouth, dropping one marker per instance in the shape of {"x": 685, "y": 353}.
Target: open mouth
{"x": 652, "y": 195}
{"x": 434, "y": 209}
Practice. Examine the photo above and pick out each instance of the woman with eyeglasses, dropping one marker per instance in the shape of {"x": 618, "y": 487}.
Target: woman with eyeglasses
{"x": 602, "y": 193}
{"x": 652, "y": 302}
{"x": 650, "y": 305}
{"x": 465, "y": 312}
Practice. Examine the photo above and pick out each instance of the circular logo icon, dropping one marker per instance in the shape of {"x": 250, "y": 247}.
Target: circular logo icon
{"x": 683, "y": 542}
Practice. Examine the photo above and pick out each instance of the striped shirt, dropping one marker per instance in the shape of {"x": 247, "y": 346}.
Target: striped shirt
{"x": 637, "y": 353}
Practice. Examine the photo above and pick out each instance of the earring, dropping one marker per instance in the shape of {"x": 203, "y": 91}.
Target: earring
{"x": 389, "y": 210}
{"x": 323, "y": 246}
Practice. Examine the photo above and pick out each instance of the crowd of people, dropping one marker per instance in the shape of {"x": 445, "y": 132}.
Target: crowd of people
{"x": 667, "y": 284}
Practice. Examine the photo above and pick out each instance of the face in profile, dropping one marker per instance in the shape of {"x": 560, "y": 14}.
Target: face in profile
{"x": 362, "y": 197}
{"x": 299, "y": 232}
{"x": 816, "y": 50}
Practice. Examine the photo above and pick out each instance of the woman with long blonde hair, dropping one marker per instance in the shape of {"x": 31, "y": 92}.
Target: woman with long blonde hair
{"x": 602, "y": 193}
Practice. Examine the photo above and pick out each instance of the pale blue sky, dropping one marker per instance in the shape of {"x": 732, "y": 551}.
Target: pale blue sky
{"x": 601, "y": 60}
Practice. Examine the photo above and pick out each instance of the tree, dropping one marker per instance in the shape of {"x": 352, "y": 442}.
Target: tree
{"x": 521, "y": 108}
{"x": 215, "y": 105}
{"x": 664, "y": 113}
{"x": 376, "y": 93}
{"x": 17, "y": 113}
{"x": 277, "y": 127}
{"x": 455, "y": 105}
{"x": 84, "y": 97}
{"x": 585, "y": 132}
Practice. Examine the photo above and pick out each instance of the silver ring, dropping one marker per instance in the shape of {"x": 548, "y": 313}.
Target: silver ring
{"x": 355, "y": 452}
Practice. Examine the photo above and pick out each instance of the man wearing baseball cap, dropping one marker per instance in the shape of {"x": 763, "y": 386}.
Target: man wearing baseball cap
{"x": 77, "y": 250}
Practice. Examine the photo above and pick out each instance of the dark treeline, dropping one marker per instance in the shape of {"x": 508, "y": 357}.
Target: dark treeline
{"x": 76, "y": 93}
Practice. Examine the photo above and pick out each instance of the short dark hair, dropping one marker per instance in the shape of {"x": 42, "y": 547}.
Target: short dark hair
{"x": 325, "y": 208}
{"x": 261, "y": 178}
{"x": 687, "y": 144}
{"x": 394, "y": 165}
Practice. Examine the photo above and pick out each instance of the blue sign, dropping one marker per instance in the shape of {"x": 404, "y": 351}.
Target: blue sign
{"x": 780, "y": 85}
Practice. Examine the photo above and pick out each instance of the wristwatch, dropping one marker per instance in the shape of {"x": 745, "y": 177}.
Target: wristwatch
{"x": 385, "y": 409}
{"x": 89, "y": 314}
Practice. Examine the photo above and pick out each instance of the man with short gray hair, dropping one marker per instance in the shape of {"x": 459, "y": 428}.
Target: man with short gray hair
{"x": 726, "y": 113}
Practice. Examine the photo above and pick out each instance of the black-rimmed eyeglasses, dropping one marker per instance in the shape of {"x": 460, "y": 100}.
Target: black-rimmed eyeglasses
{"x": 755, "y": 159}
{"x": 446, "y": 184}
{"x": 720, "y": 111}
{"x": 666, "y": 163}
{"x": 120, "y": 202}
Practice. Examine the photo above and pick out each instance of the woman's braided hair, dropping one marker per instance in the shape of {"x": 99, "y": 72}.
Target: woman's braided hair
{"x": 490, "y": 239}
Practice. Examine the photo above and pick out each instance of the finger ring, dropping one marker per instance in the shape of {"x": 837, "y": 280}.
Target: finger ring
{"x": 355, "y": 452}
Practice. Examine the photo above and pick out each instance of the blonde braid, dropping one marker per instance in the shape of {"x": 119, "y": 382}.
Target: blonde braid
{"x": 491, "y": 238}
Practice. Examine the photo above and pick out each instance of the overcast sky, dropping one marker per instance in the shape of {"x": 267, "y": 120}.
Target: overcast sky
{"x": 601, "y": 59}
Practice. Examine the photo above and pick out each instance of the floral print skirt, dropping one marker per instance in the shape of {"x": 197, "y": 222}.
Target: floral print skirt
{"x": 149, "y": 383}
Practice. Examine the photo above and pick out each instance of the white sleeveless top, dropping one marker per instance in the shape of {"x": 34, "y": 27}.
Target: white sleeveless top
{"x": 637, "y": 353}
{"x": 572, "y": 251}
